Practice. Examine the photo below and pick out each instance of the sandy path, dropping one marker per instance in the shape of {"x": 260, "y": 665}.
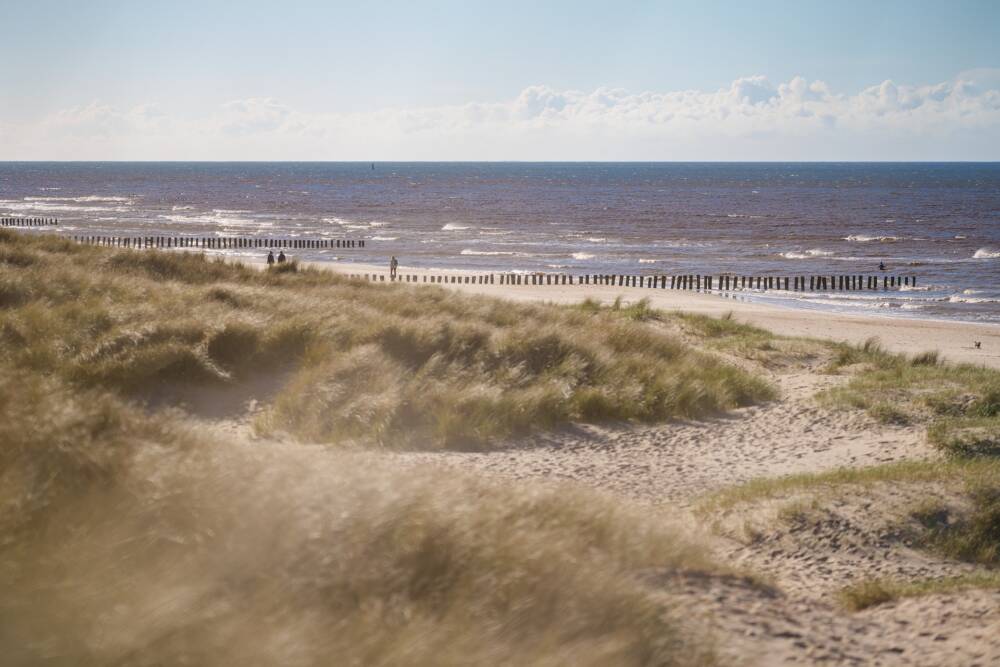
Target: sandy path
{"x": 800, "y": 621}
{"x": 671, "y": 464}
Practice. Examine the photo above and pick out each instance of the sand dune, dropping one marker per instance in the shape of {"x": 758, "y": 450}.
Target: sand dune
{"x": 907, "y": 335}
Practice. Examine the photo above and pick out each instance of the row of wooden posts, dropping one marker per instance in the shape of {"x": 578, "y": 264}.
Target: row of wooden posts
{"x": 725, "y": 282}
{"x": 28, "y": 222}
{"x": 226, "y": 242}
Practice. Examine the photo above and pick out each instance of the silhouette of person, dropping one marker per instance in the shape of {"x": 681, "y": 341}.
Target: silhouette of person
{"x": 270, "y": 257}
{"x": 881, "y": 266}
{"x": 393, "y": 265}
{"x": 281, "y": 257}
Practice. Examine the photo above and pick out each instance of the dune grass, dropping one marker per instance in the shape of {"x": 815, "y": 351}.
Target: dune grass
{"x": 873, "y": 592}
{"x": 768, "y": 488}
{"x": 959, "y": 404}
{"x": 130, "y": 539}
{"x": 389, "y": 366}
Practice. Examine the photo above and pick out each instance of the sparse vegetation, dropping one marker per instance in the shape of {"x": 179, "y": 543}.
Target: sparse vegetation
{"x": 384, "y": 365}
{"x": 961, "y": 521}
{"x": 972, "y": 535}
{"x": 767, "y": 488}
{"x": 960, "y": 404}
{"x": 873, "y": 592}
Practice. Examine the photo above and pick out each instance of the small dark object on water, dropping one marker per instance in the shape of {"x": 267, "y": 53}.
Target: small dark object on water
{"x": 881, "y": 266}
{"x": 978, "y": 344}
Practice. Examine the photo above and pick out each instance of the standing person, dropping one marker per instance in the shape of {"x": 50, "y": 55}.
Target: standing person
{"x": 881, "y": 266}
{"x": 270, "y": 257}
{"x": 393, "y": 265}
{"x": 281, "y": 257}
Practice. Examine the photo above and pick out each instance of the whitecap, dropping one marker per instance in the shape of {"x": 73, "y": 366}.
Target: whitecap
{"x": 862, "y": 238}
{"x": 82, "y": 200}
{"x": 986, "y": 253}
{"x": 970, "y": 299}
{"x": 582, "y": 255}
{"x": 453, "y": 227}
{"x": 384, "y": 238}
{"x": 488, "y": 253}
{"x": 643, "y": 260}
{"x": 596, "y": 239}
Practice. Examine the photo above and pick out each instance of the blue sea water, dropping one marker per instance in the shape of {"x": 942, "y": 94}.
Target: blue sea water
{"x": 938, "y": 221}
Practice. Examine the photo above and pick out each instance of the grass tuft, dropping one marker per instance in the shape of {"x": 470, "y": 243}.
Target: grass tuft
{"x": 873, "y": 592}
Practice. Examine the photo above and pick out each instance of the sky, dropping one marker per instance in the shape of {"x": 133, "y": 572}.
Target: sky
{"x": 210, "y": 80}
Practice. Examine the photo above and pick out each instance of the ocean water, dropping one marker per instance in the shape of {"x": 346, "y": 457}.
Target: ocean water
{"x": 939, "y": 222}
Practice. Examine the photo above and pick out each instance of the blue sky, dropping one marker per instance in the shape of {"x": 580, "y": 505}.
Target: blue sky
{"x": 387, "y": 80}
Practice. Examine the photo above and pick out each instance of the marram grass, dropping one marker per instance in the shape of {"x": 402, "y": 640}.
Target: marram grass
{"x": 131, "y": 539}
{"x": 390, "y": 366}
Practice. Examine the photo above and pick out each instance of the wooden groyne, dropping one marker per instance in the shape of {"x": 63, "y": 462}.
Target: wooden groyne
{"x": 692, "y": 282}
{"x": 217, "y": 242}
{"x": 28, "y": 222}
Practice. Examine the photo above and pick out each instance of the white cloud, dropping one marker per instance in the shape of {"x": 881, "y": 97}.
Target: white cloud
{"x": 750, "y": 119}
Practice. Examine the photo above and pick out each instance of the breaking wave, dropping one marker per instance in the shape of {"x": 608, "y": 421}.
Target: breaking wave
{"x": 487, "y": 253}
{"x": 861, "y": 238}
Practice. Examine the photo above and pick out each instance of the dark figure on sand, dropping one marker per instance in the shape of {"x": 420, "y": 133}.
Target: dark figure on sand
{"x": 281, "y": 257}
{"x": 393, "y": 265}
{"x": 270, "y": 257}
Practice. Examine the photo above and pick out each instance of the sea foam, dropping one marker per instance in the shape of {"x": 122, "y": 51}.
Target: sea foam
{"x": 861, "y": 238}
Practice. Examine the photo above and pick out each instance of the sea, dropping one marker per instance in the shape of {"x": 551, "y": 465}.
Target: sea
{"x": 939, "y": 222}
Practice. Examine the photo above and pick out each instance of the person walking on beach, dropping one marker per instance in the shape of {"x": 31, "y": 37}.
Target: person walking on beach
{"x": 281, "y": 257}
{"x": 393, "y": 265}
{"x": 270, "y": 257}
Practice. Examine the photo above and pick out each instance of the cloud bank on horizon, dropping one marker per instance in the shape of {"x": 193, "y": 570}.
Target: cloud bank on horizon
{"x": 751, "y": 119}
